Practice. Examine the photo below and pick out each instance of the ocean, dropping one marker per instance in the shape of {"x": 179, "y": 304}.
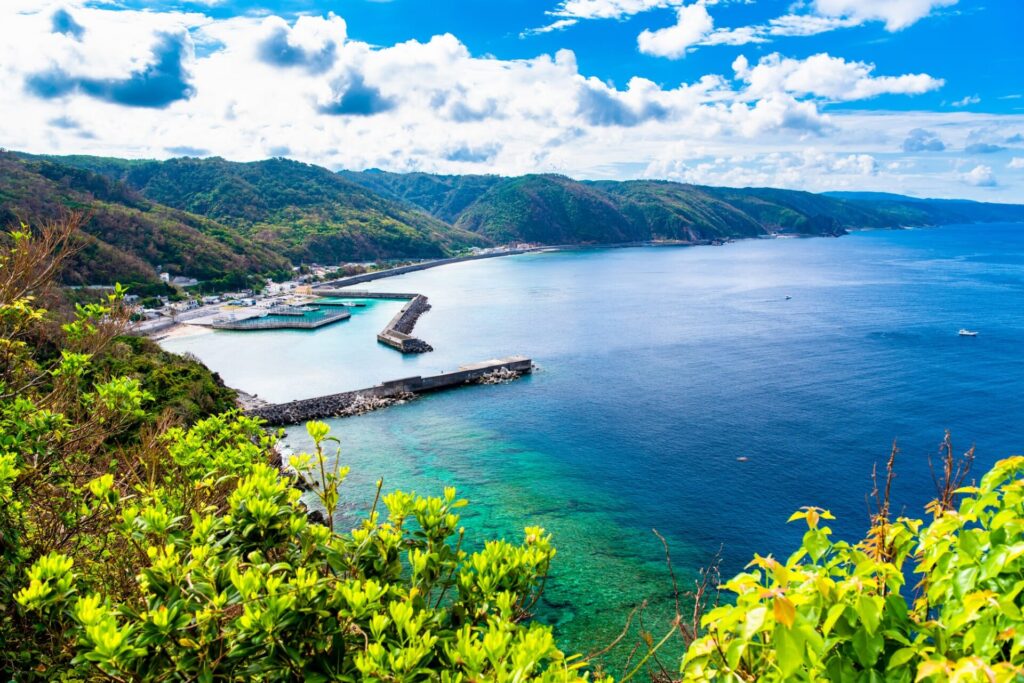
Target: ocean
{"x": 677, "y": 389}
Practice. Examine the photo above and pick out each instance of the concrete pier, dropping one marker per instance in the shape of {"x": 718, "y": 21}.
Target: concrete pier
{"x": 398, "y": 332}
{"x": 335, "y": 405}
{"x": 281, "y": 321}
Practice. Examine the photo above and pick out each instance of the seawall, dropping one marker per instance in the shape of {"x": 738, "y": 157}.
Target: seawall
{"x": 379, "y": 274}
{"x": 398, "y": 332}
{"x": 351, "y": 402}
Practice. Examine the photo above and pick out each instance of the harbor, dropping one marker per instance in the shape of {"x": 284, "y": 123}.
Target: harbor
{"x": 283, "y": 317}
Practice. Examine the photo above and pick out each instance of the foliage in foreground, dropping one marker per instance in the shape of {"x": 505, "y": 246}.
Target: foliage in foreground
{"x": 836, "y": 611}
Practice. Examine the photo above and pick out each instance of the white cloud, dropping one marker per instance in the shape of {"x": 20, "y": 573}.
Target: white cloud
{"x": 557, "y": 25}
{"x": 966, "y": 101}
{"x": 897, "y": 14}
{"x": 980, "y": 176}
{"x": 921, "y": 140}
{"x": 1016, "y": 163}
{"x": 693, "y": 24}
{"x": 787, "y": 25}
{"x": 432, "y": 105}
{"x": 822, "y": 75}
{"x": 808, "y": 168}
{"x": 609, "y": 9}
{"x": 824, "y": 16}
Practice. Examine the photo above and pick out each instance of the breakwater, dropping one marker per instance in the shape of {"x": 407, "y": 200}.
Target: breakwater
{"x": 424, "y": 265}
{"x": 398, "y": 332}
{"x": 361, "y": 400}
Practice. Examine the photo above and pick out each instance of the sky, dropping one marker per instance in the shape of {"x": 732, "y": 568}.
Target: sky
{"x": 920, "y": 97}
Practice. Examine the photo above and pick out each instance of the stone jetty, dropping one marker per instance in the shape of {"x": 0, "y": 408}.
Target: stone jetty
{"x": 362, "y": 400}
{"x": 398, "y": 332}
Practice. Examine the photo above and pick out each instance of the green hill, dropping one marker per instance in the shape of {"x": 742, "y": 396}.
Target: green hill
{"x": 442, "y": 196}
{"x": 304, "y": 212}
{"x": 126, "y": 235}
{"x": 208, "y": 218}
{"x": 552, "y": 209}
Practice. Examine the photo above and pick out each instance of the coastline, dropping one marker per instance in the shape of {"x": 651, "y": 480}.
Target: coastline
{"x": 248, "y": 401}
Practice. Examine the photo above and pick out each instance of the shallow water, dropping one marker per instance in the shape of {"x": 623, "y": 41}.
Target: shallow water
{"x": 658, "y": 369}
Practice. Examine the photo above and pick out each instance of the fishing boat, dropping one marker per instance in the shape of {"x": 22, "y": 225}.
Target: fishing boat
{"x": 967, "y": 333}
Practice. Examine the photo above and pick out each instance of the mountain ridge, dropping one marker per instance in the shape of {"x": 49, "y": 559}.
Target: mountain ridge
{"x": 209, "y": 217}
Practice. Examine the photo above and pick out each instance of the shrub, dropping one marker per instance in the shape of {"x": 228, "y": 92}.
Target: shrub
{"x": 258, "y": 591}
{"x": 840, "y": 612}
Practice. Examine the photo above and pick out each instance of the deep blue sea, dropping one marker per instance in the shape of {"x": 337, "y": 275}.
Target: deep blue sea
{"x": 661, "y": 367}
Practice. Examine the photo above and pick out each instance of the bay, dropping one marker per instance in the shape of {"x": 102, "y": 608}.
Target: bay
{"x": 677, "y": 389}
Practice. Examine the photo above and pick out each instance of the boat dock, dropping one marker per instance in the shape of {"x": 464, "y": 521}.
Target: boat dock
{"x": 305, "y": 320}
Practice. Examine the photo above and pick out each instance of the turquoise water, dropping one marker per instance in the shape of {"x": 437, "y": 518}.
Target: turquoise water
{"x": 658, "y": 368}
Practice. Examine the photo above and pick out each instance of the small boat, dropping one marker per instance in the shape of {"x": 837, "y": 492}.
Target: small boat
{"x": 788, "y": 297}
{"x": 967, "y": 333}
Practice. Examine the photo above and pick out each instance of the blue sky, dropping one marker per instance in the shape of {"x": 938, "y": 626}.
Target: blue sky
{"x": 915, "y": 96}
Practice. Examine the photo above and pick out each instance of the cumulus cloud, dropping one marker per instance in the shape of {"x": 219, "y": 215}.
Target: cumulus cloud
{"x": 980, "y": 176}
{"x": 432, "y": 105}
{"x": 822, "y": 75}
{"x": 693, "y": 24}
{"x": 355, "y": 98}
{"x": 312, "y": 43}
{"x": 1016, "y": 163}
{"x": 897, "y": 14}
{"x": 921, "y": 140}
{"x": 604, "y": 106}
{"x": 163, "y": 81}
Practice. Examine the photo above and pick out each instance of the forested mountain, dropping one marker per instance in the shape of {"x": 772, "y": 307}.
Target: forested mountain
{"x": 305, "y": 212}
{"x": 207, "y": 218}
{"x": 442, "y": 196}
{"x": 554, "y": 209}
{"x": 126, "y": 235}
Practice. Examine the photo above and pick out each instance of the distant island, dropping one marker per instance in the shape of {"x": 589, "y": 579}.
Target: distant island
{"x": 217, "y": 220}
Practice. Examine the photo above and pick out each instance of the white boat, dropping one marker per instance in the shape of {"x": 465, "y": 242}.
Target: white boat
{"x": 967, "y": 333}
